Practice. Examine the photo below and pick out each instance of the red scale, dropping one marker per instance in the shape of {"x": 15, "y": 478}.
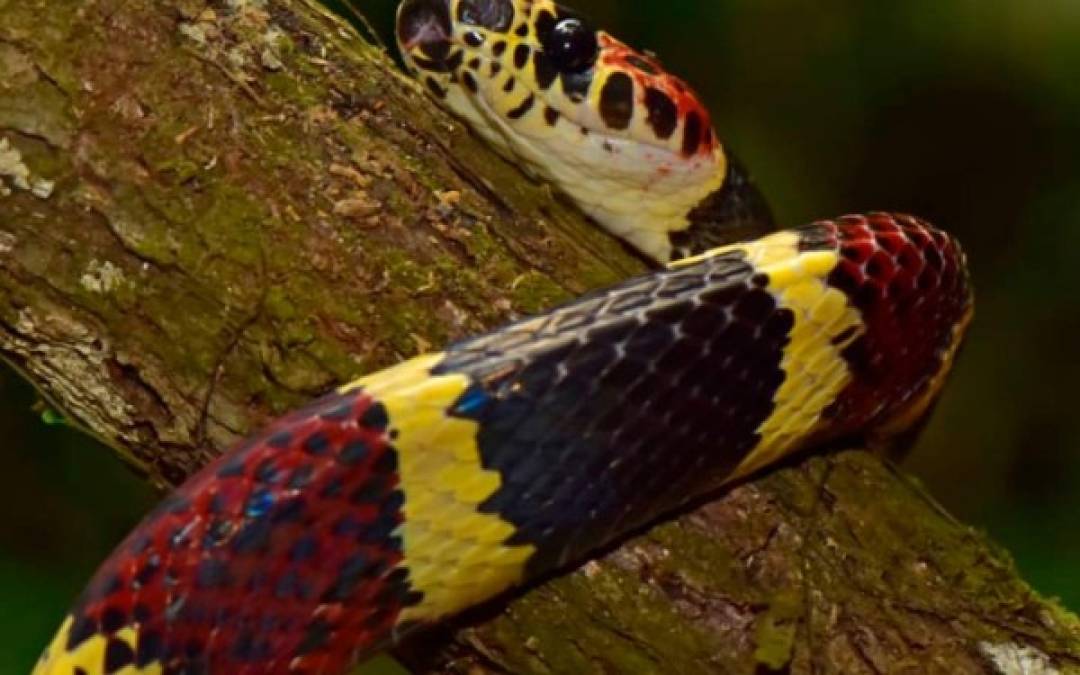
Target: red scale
{"x": 283, "y": 547}
{"x": 907, "y": 279}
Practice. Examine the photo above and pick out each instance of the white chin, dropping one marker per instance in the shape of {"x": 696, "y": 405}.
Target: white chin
{"x": 637, "y": 191}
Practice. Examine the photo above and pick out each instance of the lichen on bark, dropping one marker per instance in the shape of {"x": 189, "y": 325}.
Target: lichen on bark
{"x": 215, "y": 210}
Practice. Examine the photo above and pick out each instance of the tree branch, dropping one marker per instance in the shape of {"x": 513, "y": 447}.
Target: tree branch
{"x": 213, "y": 211}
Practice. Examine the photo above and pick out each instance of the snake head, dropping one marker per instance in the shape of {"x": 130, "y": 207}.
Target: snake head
{"x": 629, "y": 142}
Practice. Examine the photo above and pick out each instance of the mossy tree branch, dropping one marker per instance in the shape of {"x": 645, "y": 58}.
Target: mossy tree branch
{"x": 213, "y": 211}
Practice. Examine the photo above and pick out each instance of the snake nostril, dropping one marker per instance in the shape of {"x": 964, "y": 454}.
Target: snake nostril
{"x": 495, "y": 15}
{"x": 425, "y": 24}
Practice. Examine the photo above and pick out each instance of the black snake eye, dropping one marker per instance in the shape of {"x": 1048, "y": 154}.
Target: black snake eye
{"x": 571, "y": 46}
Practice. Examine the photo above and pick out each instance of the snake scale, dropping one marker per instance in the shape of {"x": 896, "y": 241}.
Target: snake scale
{"x": 431, "y": 486}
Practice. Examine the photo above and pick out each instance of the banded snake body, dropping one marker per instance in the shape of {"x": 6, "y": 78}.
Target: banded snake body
{"x": 429, "y": 487}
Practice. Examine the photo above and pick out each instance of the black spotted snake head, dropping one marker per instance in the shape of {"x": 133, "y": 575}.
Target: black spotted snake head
{"x": 629, "y": 143}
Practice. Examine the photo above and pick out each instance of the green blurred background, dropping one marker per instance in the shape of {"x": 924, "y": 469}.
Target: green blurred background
{"x": 966, "y": 112}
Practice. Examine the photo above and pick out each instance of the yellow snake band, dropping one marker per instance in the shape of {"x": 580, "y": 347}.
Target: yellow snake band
{"x": 421, "y": 490}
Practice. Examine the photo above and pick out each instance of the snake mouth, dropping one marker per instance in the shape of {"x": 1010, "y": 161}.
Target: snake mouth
{"x": 425, "y": 26}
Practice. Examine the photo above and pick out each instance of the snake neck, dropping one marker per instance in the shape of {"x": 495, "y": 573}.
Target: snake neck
{"x": 736, "y": 211}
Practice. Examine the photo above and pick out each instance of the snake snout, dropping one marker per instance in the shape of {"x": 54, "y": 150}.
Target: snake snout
{"x": 426, "y": 25}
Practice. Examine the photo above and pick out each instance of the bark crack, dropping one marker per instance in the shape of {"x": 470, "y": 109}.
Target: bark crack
{"x": 200, "y": 432}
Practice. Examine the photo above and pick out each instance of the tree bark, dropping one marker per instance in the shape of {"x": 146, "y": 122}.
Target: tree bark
{"x": 213, "y": 211}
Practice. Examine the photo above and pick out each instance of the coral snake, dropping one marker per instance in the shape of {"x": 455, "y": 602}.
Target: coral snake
{"x": 431, "y": 486}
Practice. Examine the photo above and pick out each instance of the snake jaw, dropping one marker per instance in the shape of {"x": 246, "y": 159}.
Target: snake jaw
{"x": 630, "y": 143}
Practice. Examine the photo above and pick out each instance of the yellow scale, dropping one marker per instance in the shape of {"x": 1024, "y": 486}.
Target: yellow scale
{"x": 455, "y": 554}
{"x": 88, "y": 657}
{"x": 815, "y": 371}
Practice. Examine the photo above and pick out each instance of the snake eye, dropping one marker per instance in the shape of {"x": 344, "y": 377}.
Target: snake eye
{"x": 571, "y": 46}
{"x": 495, "y": 15}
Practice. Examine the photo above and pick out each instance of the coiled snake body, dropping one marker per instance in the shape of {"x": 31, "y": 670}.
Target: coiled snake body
{"x": 426, "y": 488}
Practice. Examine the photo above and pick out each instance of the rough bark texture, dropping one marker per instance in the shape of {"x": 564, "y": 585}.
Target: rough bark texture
{"x": 212, "y": 211}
